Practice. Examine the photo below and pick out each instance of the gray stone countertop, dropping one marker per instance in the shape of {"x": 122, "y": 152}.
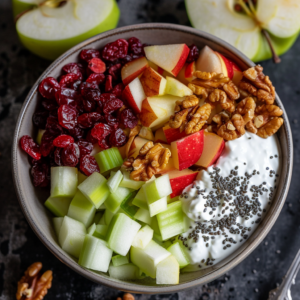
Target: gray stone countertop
{"x": 19, "y": 247}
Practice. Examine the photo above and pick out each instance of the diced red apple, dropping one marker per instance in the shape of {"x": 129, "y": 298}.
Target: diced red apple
{"x": 186, "y": 74}
{"x": 208, "y": 61}
{"x": 212, "y": 149}
{"x": 170, "y": 165}
{"x": 133, "y": 69}
{"x": 187, "y": 151}
{"x": 169, "y": 57}
{"x": 146, "y": 133}
{"x": 153, "y": 83}
{"x": 136, "y": 145}
{"x": 173, "y": 134}
{"x": 237, "y": 73}
{"x": 176, "y": 88}
{"x": 159, "y": 136}
{"x": 156, "y": 111}
{"x": 159, "y": 70}
{"x": 179, "y": 180}
{"x": 134, "y": 95}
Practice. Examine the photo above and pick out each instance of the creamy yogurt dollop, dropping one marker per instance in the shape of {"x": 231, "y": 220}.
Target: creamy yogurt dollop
{"x": 227, "y": 202}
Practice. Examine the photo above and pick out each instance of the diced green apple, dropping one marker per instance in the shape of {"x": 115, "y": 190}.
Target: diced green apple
{"x": 109, "y": 159}
{"x": 124, "y": 272}
{"x": 143, "y": 215}
{"x": 115, "y": 199}
{"x": 119, "y": 260}
{"x": 143, "y": 237}
{"x": 95, "y": 189}
{"x": 167, "y": 271}
{"x": 58, "y": 206}
{"x": 129, "y": 183}
{"x": 114, "y": 180}
{"x": 57, "y": 222}
{"x": 121, "y": 232}
{"x": 178, "y": 252}
{"x": 64, "y": 181}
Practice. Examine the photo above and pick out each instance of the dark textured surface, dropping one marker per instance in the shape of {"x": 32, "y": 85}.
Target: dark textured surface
{"x": 19, "y": 247}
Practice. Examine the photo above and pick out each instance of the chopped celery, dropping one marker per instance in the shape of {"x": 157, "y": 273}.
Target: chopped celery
{"x": 95, "y": 254}
{"x": 102, "y": 220}
{"x": 71, "y": 236}
{"x": 119, "y": 260}
{"x": 109, "y": 159}
{"x": 171, "y": 222}
{"x": 140, "y": 200}
{"x": 100, "y": 231}
{"x": 179, "y": 253}
{"x": 108, "y": 215}
{"x": 98, "y": 217}
{"x": 157, "y": 206}
{"x": 64, "y": 181}
{"x": 167, "y": 271}
{"x": 81, "y": 209}
{"x": 167, "y": 244}
{"x": 143, "y": 237}
{"x": 91, "y": 229}
{"x": 114, "y": 180}
{"x": 39, "y": 136}
{"x": 171, "y": 200}
{"x": 143, "y": 215}
{"x": 58, "y": 206}
{"x": 129, "y": 183}
{"x": 124, "y": 272}
{"x": 57, "y": 222}
{"x": 95, "y": 189}
{"x": 127, "y": 205}
{"x": 121, "y": 232}
{"x": 81, "y": 177}
{"x": 115, "y": 199}
{"x": 147, "y": 259}
{"x": 102, "y": 207}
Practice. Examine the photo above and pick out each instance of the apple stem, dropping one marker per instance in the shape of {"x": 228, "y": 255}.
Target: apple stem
{"x": 276, "y": 58}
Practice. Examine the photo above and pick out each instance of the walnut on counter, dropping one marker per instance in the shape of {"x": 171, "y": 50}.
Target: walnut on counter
{"x": 34, "y": 285}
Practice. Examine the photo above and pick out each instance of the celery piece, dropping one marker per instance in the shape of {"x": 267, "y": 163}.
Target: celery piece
{"x": 119, "y": 260}
{"x": 114, "y": 180}
{"x": 179, "y": 253}
{"x": 108, "y": 215}
{"x": 143, "y": 237}
{"x": 140, "y": 200}
{"x": 64, "y": 181}
{"x": 167, "y": 271}
{"x": 100, "y": 231}
{"x": 124, "y": 272}
{"x": 143, "y": 215}
{"x": 102, "y": 207}
{"x": 109, "y": 159}
{"x": 115, "y": 199}
{"x": 127, "y": 205}
{"x": 81, "y": 209}
{"x": 171, "y": 222}
{"x": 58, "y": 206}
{"x": 81, "y": 177}
{"x": 157, "y": 206}
{"x": 98, "y": 217}
{"x": 166, "y": 244}
{"x": 102, "y": 220}
{"x": 57, "y": 222}
{"x": 91, "y": 229}
{"x": 95, "y": 189}
{"x": 129, "y": 183}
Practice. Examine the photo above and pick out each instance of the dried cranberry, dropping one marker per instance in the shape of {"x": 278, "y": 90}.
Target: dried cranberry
{"x": 118, "y": 89}
{"x": 40, "y": 173}
{"x": 67, "y": 116}
{"x": 126, "y": 59}
{"x": 68, "y": 79}
{"x": 88, "y": 165}
{"x": 89, "y": 119}
{"x": 57, "y": 156}
{"x": 128, "y": 119}
{"x": 100, "y": 131}
{"x": 115, "y": 50}
{"x": 53, "y": 113}
{"x": 194, "y": 53}
{"x": 47, "y": 143}
{"x": 75, "y": 85}
{"x": 32, "y": 161}
{"x": 39, "y": 119}
{"x": 108, "y": 83}
{"x": 88, "y": 54}
{"x": 70, "y": 155}
{"x": 111, "y": 121}
{"x": 104, "y": 143}
{"x": 90, "y": 138}
{"x": 96, "y": 65}
{"x": 117, "y": 138}
{"x": 77, "y": 133}
{"x": 48, "y": 87}
{"x": 62, "y": 141}
{"x": 66, "y": 96}
{"x": 96, "y": 78}
{"x": 88, "y": 85}
{"x": 30, "y": 147}
{"x": 112, "y": 105}
{"x": 53, "y": 127}
{"x": 85, "y": 147}
{"x": 88, "y": 106}
{"x": 49, "y": 104}
{"x": 115, "y": 71}
{"x": 135, "y": 47}
{"x": 107, "y": 97}
{"x": 74, "y": 68}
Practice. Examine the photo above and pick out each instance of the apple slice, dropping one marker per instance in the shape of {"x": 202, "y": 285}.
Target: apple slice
{"x": 156, "y": 111}
{"x": 186, "y": 74}
{"x": 159, "y": 70}
{"x": 176, "y": 88}
{"x": 159, "y": 136}
{"x": 153, "y": 83}
{"x": 133, "y": 69}
{"x": 173, "y": 134}
{"x": 146, "y": 133}
{"x": 50, "y": 31}
{"x": 212, "y": 149}
{"x": 136, "y": 145}
{"x": 180, "y": 180}
{"x": 187, "y": 151}
{"x": 169, "y": 57}
{"x": 208, "y": 61}
{"x": 134, "y": 95}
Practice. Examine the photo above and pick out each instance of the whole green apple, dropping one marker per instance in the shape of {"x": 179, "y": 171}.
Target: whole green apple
{"x": 20, "y": 6}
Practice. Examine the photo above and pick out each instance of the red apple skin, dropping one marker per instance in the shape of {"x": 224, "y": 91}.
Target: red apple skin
{"x": 217, "y": 154}
{"x": 173, "y": 134}
{"x": 143, "y": 65}
{"x": 178, "y": 184}
{"x": 228, "y": 65}
{"x": 187, "y": 151}
{"x": 160, "y": 70}
{"x": 181, "y": 61}
{"x": 190, "y": 69}
{"x": 147, "y": 115}
{"x": 127, "y": 96}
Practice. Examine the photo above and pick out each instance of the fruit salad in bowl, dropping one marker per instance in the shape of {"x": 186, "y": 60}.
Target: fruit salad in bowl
{"x": 157, "y": 159}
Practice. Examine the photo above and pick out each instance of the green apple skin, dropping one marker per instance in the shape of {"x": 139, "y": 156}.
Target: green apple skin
{"x": 19, "y": 7}
{"x": 53, "y": 49}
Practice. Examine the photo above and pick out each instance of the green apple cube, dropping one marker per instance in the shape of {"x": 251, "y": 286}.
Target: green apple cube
{"x": 64, "y": 181}
{"x": 115, "y": 199}
{"x": 121, "y": 232}
{"x": 124, "y": 272}
{"x": 39, "y": 136}
{"x": 171, "y": 221}
{"x": 101, "y": 231}
{"x": 108, "y": 215}
{"x": 143, "y": 237}
{"x": 81, "y": 209}
{"x": 95, "y": 254}
{"x": 143, "y": 215}
{"x": 81, "y": 177}
{"x": 91, "y": 229}
{"x": 98, "y": 217}
{"x": 140, "y": 200}
{"x": 114, "y": 180}
{"x": 179, "y": 253}
{"x": 158, "y": 206}
{"x": 109, "y": 159}
{"x": 157, "y": 189}
{"x": 147, "y": 259}
{"x": 167, "y": 271}
{"x": 71, "y": 236}
{"x": 58, "y": 206}
{"x": 119, "y": 260}
{"x": 129, "y": 183}
{"x": 127, "y": 205}
{"x": 95, "y": 189}
{"x": 57, "y": 222}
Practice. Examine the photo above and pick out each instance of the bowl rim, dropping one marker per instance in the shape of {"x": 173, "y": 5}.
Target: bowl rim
{"x": 122, "y": 285}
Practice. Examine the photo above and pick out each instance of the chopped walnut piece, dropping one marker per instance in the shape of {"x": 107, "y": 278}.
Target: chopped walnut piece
{"x": 199, "y": 90}
{"x": 265, "y": 113}
{"x": 270, "y": 128}
{"x": 246, "y": 108}
{"x": 221, "y": 118}
{"x": 231, "y": 90}
{"x": 34, "y": 285}
{"x": 250, "y": 127}
{"x": 232, "y": 129}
